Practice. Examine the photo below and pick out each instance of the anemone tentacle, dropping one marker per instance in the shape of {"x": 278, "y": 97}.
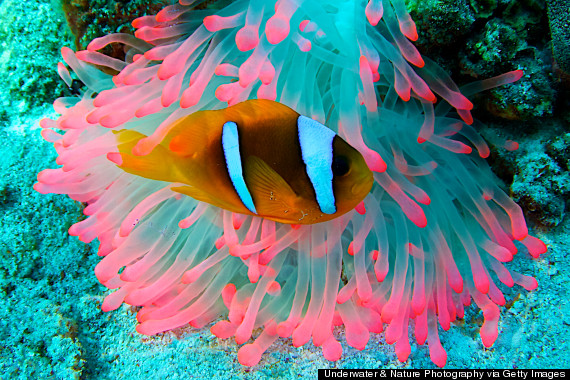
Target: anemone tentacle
{"x": 433, "y": 233}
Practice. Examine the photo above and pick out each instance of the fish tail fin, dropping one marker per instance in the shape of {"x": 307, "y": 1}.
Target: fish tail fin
{"x": 160, "y": 164}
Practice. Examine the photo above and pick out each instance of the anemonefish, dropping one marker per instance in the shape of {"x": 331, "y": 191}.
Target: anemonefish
{"x": 258, "y": 157}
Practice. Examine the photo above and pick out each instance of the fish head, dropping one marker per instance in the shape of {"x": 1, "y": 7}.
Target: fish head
{"x": 352, "y": 178}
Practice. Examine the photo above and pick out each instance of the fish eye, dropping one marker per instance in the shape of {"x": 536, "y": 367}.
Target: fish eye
{"x": 340, "y": 166}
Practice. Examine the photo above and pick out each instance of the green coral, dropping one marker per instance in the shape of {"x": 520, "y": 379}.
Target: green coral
{"x": 441, "y": 22}
{"x": 533, "y": 96}
{"x": 89, "y": 19}
{"x": 39, "y": 268}
{"x": 559, "y": 17}
{"x": 30, "y": 39}
{"x": 543, "y": 187}
{"x": 483, "y": 8}
{"x": 498, "y": 45}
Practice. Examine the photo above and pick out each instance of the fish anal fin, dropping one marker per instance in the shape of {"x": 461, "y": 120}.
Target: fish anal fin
{"x": 195, "y": 193}
{"x": 127, "y": 139}
{"x": 203, "y": 196}
{"x": 272, "y": 196}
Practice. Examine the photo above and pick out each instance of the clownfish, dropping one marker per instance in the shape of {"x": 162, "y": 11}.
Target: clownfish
{"x": 258, "y": 157}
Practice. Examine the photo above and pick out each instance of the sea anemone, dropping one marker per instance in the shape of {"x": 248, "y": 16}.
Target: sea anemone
{"x": 432, "y": 234}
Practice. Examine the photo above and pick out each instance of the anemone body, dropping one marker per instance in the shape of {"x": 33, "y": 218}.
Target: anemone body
{"x": 433, "y": 234}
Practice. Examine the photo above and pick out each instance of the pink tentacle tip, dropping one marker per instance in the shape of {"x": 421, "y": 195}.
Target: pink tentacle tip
{"x": 144, "y": 146}
{"x": 409, "y": 29}
{"x": 403, "y": 349}
{"x": 82, "y": 55}
{"x": 145, "y": 328}
{"x": 516, "y": 74}
{"x": 50, "y": 136}
{"x": 489, "y": 330}
{"x": 332, "y": 349}
{"x": 227, "y": 69}
{"x": 48, "y": 123}
{"x": 438, "y": 355}
{"x": 267, "y": 73}
{"x": 360, "y": 208}
{"x": 249, "y": 355}
{"x": 536, "y": 247}
{"x": 247, "y": 38}
{"x": 274, "y": 288}
{"x": 67, "y": 53}
{"x": 375, "y": 161}
{"x": 103, "y": 273}
{"x": 276, "y": 29}
{"x": 225, "y": 92}
{"x": 213, "y": 23}
{"x": 143, "y": 21}
{"x": 223, "y": 329}
{"x": 220, "y": 242}
{"x": 465, "y": 116}
{"x": 115, "y": 158}
{"x": 64, "y": 74}
{"x": 374, "y": 254}
{"x": 228, "y": 293}
{"x": 237, "y": 220}
{"x": 285, "y": 328}
{"x": 191, "y": 276}
{"x": 511, "y": 145}
{"x": 374, "y": 12}
{"x": 303, "y": 43}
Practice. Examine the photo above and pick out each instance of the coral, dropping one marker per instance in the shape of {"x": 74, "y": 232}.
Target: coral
{"x": 483, "y": 8}
{"x": 38, "y": 327}
{"x": 89, "y": 19}
{"x": 479, "y": 39}
{"x": 534, "y": 96}
{"x": 29, "y": 47}
{"x": 543, "y": 187}
{"x": 442, "y": 26}
{"x": 433, "y": 234}
{"x": 559, "y": 17}
{"x": 501, "y": 47}
{"x": 442, "y": 23}
{"x": 537, "y": 172}
{"x": 527, "y": 17}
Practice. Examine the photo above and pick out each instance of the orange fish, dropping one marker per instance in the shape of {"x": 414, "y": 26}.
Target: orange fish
{"x": 258, "y": 157}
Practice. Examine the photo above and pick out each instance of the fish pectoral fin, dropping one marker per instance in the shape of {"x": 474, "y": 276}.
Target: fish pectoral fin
{"x": 271, "y": 194}
{"x": 159, "y": 164}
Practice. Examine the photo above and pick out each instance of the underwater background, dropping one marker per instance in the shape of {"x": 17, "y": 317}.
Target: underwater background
{"x": 51, "y": 325}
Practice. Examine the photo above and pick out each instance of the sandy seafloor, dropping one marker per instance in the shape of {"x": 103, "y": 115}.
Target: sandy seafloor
{"x": 51, "y": 325}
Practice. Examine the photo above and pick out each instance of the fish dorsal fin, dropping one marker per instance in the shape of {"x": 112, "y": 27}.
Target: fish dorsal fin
{"x": 193, "y": 132}
{"x": 271, "y": 194}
